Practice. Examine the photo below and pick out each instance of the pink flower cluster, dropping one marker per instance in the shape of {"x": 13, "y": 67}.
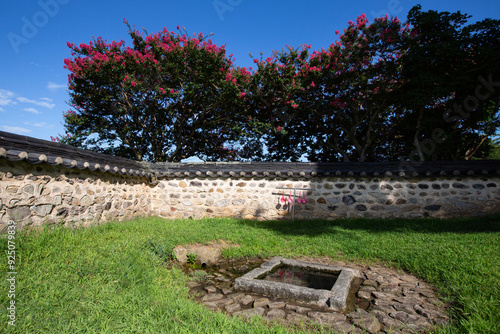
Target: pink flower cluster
{"x": 361, "y": 21}
{"x": 229, "y": 78}
{"x": 153, "y": 53}
{"x": 158, "y": 61}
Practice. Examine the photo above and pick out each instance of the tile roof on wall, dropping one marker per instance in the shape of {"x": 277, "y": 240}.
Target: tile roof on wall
{"x": 16, "y": 148}
{"x": 22, "y": 148}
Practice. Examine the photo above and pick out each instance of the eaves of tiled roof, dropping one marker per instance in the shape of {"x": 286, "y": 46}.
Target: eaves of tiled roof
{"x": 17, "y": 148}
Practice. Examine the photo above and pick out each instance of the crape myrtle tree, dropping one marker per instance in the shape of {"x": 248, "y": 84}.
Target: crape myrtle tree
{"x": 449, "y": 100}
{"x": 334, "y": 104}
{"x": 277, "y": 107}
{"x": 169, "y": 97}
{"x": 350, "y": 87}
{"x": 422, "y": 90}
{"x": 428, "y": 89}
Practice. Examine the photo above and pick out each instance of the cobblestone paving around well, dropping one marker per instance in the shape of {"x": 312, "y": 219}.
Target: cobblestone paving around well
{"x": 386, "y": 300}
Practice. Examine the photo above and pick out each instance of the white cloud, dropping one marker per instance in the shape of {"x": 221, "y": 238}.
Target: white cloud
{"x": 33, "y": 110}
{"x": 53, "y": 86}
{"x": 40, "y": 124}
{"x": 15, "y": 129}
{"x": 6, "y": 97}
{"x": 46, "y": 102}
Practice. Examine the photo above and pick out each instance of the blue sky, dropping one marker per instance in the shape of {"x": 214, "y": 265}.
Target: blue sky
{"x": 33, "y": 36}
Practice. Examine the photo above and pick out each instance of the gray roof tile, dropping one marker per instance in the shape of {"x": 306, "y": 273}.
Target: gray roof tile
{"x": 18, "y": 148}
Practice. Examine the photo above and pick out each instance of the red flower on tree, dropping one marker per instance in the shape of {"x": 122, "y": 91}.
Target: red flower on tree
{"x": 121, "y": 105}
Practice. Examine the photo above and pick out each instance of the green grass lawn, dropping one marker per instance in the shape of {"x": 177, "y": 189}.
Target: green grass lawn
{"x": 113, "y": 278}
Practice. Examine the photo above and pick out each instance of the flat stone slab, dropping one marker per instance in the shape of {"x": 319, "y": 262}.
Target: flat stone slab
{"x": 205, "y": 254}
{"x": 334, "y": 299}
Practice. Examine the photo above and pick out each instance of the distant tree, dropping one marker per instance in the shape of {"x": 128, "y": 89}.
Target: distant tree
{"x": 169, "y": 97}
{"x": 495, "y": 149}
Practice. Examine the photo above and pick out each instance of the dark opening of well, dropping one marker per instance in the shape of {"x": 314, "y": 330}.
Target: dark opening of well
{"x": 303, "y": 277}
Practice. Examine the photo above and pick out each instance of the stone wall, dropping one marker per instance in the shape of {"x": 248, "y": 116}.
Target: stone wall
{"x": 48, "y": 183}
{"x": 330, "y": 198}
{"x": 35, "y": 194}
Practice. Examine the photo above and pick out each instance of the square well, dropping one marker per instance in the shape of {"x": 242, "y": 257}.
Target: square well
{"x": 303, "y": 288}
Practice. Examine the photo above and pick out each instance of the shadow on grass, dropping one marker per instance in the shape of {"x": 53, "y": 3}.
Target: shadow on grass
{"x": 316, "y": 227}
